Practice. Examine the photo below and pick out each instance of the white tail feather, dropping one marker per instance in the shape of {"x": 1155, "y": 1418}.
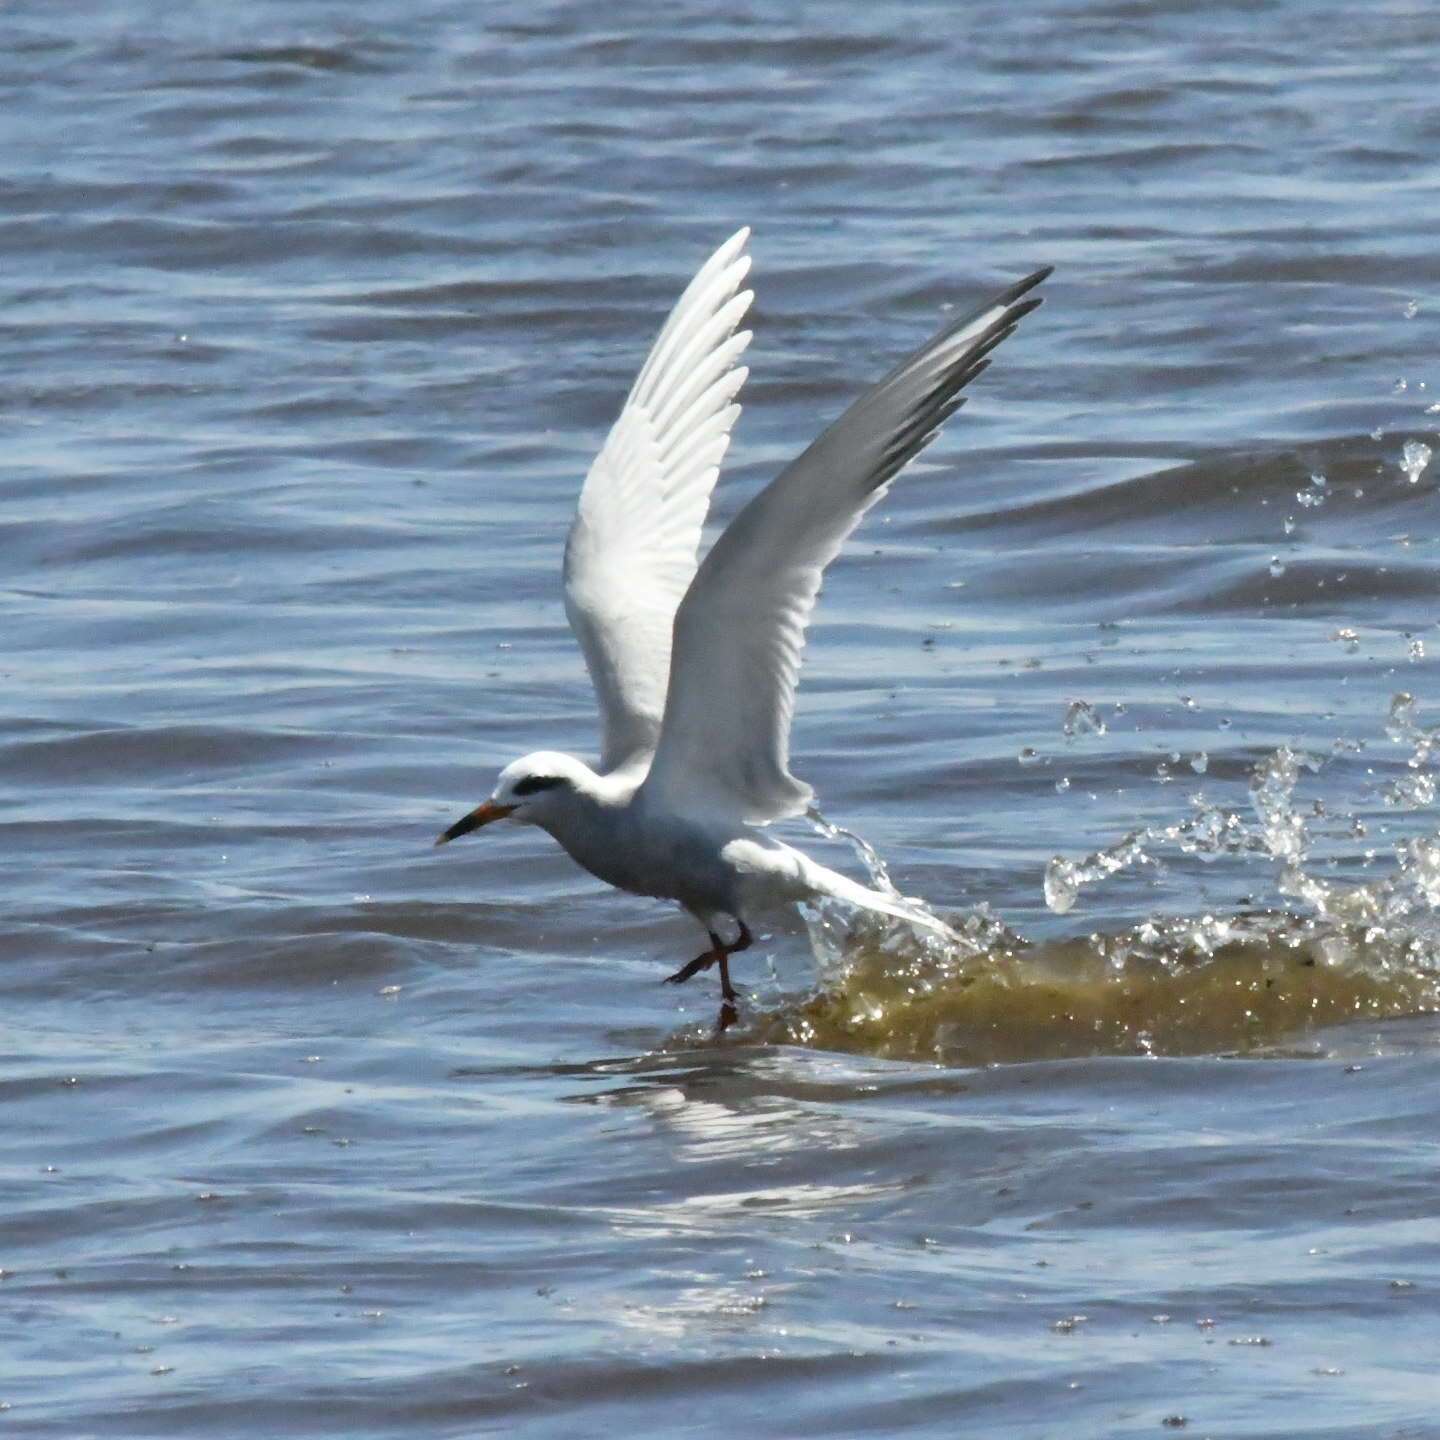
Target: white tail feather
{"x": 841, "y": 887}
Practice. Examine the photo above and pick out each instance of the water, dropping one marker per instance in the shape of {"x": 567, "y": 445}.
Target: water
{"x": 313, "y": 319}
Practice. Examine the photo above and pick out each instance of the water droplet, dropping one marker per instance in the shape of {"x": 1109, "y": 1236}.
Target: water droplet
{"x": 1062, "y": 885}
{"x": 1414, "y": 458}
{"x": 1415, "y": 650}
{"x": 1081, "y": 719}
{"x": 1411, "y": 310}
{"x": 1199, "y": 762}
{"x": 1029, "y": 756}
{"x": 1410, "y": 792}
{"x": 1062, "y": 784}
{"x": 1272, "y": 788}
{"x": 1401, "y": 714}
{"x": 1348, "y": 638}
{"x": 1277, "y": 566}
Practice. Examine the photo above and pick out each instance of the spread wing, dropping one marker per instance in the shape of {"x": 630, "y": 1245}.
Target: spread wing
{"x": 739, "y": 632}
{"x": 631, "y": 551}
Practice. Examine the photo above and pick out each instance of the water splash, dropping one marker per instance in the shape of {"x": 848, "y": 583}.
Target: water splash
{"x": 1417, "y": 789}
{"x": 1241, "y": 983}
{"x": 1065, "y": 878}
{"x": 1402, "y": 727}
{"x": 1279, "y": 832}
{"x": 828, "y": 920}
{"x": 1342, "y": 949}
{"x": 1209, "y": 831}
{"x": 865, "y": 852}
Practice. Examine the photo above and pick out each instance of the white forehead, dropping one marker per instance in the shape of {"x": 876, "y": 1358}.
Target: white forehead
{"x": 542, "y": 762}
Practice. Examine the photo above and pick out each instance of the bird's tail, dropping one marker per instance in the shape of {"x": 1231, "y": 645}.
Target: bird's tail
{"x": 841, "y": 887}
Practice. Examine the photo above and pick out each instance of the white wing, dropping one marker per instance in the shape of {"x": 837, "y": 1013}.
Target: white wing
{"x": 631, "y": 551}
{"x": 725, "y": 741}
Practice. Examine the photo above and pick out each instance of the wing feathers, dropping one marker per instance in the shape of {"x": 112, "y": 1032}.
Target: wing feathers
{"x": 699, "y": 363}
{"x": 692, "y": 312}
{"x": 631, "y": 549}
{"x": 740, "y": 630}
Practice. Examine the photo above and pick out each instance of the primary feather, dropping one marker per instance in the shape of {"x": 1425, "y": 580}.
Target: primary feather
{"x": 632, "y": 547}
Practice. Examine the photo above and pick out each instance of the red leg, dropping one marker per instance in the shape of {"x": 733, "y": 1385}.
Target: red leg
{"x": 719, "y": 953}
{"x": 743, "y": 941}
{"x": 699, "y": 963}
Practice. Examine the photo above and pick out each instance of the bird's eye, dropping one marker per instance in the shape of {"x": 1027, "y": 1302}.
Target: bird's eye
{"x": 531, "y": 783}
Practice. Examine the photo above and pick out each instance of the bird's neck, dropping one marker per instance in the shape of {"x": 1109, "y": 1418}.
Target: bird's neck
{"x": 604, "y": 788}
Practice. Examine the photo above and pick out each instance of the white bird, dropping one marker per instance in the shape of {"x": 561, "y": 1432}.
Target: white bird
{"x": 695, "y": 669}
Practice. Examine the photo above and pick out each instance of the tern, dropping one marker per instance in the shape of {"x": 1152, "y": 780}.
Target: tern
{"x": 695, "y": 666}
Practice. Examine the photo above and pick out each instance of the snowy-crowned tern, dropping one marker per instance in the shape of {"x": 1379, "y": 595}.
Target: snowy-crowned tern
{"x": 695, "y": 669}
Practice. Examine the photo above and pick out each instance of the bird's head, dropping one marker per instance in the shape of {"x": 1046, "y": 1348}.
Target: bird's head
{"x": 532, "y": 790}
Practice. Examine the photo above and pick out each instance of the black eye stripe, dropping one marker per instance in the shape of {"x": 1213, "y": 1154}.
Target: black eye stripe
{"x": 531, "y": 783}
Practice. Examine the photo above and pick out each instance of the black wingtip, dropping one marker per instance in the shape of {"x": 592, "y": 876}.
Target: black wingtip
{"x": 1020, "y": 287}
{"x": 1020, "y": 311}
